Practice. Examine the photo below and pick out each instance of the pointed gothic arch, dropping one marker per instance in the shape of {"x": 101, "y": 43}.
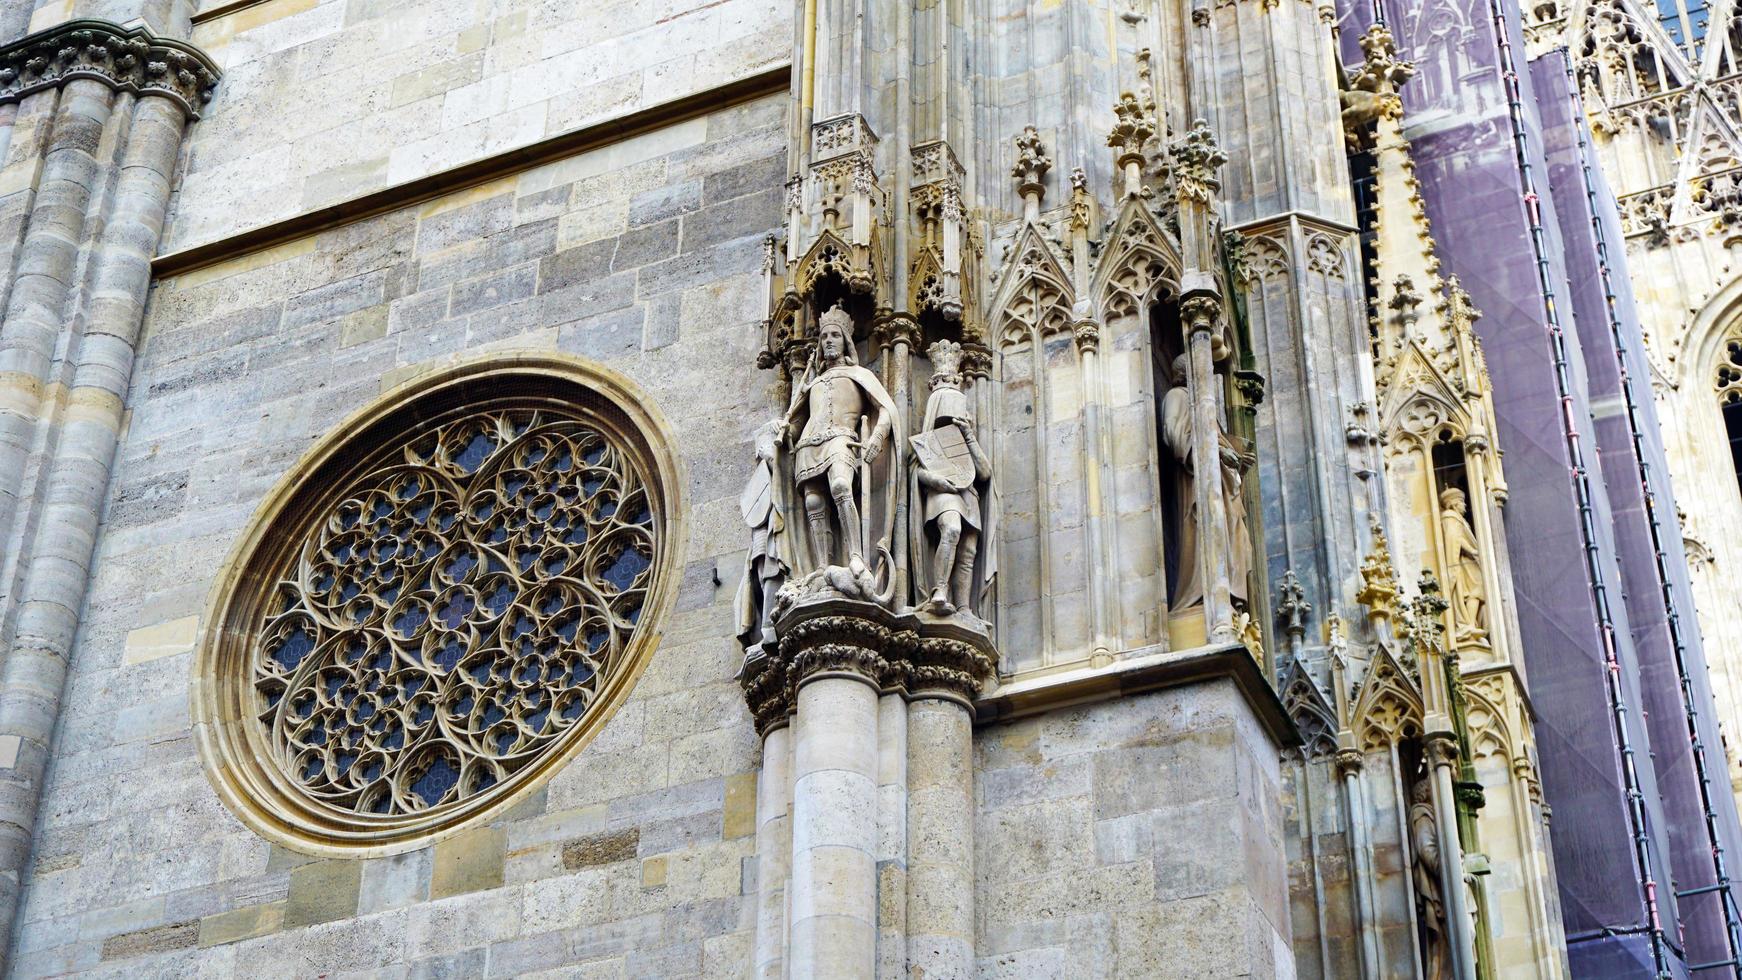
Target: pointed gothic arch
{"x": 1035, "y": 298}
{"x": 1140, "y": 262}
{"x": 1388, "y": 708}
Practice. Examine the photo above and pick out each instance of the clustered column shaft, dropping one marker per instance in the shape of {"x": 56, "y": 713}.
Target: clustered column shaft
{"x": 74, "y": 306}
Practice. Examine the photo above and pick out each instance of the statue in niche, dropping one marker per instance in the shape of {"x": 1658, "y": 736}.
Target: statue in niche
{"x": 1424, "y": 843}
{"x": 1177, "y": 431}
{"x": 763, "y": 506}
{"x": 840, "y": 420}
{"x": 1464, "y": 591}
{"x": 951, "y": 476}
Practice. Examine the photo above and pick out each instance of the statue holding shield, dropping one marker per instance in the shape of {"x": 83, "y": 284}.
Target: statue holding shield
{"x": 766, "y": 566}
{"x": 951, "y": 475}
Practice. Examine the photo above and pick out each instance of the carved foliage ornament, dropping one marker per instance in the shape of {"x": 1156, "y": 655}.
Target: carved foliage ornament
{"x": 438, "y": 609}
{"x": 133, "y": 60}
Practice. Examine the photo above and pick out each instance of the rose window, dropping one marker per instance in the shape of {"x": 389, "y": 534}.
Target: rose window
{"x": 452, "y": 609}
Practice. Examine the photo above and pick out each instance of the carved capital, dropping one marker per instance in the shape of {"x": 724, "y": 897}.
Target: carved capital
{"x": 976, "y": 360}
{"x": 763, "y": 679}
{"x": 1200, "y": 312}
{"x": 835, "y": 644}
{"x": 1088, "y": 336}
{"x": 1347, "y": 761}
{"x": 1441, "y": 748}
{"x": 948, "y": 664}
{"x": 897, "y": 328}
{"x": 128, "y": 59}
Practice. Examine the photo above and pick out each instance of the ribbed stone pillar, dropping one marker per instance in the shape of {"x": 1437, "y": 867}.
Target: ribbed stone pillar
{"x": 72, "y": 317}
{"x": 773, "y": 852}
{"x": 36, "y": 307}
{"x": 940, "y": 809}
{"x": 52, "y": 588}
{"x": 834, "y": 828}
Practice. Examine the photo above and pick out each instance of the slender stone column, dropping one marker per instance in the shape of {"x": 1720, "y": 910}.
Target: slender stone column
{"x": 1348, "y": 762}
{"x": 893, "y": 827}
{"x": 940, "y": 877}
{"x": 1097, "y": 479}
{"x": 1442, "y": 751}
{"x": 773, "y": 852}
{"x": 834, "y": 828}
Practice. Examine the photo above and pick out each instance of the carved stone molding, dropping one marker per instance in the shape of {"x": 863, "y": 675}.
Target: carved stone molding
{"x": 840, "y": 135}
{"x": 897, "y": 652}
{"x": 948, "y": 659}
{"x": 128, "y": 59}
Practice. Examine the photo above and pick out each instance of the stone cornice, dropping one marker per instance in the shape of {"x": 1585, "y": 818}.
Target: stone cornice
{"x": 1140, "y": 674}
{"x": 128, "y": 59}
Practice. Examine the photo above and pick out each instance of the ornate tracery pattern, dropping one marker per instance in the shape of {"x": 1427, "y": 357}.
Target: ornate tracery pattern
{"x": 455, "y": 612}
{"x": 1728, "y": 379}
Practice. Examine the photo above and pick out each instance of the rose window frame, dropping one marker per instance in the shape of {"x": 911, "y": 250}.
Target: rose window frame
{"x": 440, "y": 605}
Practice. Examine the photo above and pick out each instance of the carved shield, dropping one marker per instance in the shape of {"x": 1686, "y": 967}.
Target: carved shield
{"x": 757, "y": 498}
{"x": 945, "y": 453}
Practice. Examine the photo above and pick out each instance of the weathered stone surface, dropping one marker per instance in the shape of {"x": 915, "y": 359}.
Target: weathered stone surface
{"x": 607, "y": 848}
{"x": 158, "y": 939}
{"x": 468, "y": 862}
{"x": 325, "y": 891}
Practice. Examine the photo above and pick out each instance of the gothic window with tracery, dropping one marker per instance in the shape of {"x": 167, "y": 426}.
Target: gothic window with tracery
{"x": 1729, "y": 383}
{"x": 443, "y": 607}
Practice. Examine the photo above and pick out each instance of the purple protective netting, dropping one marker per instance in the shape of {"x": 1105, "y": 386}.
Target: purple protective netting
{"x": 1459, "y": 123}
{"x": 1624, "y": 460}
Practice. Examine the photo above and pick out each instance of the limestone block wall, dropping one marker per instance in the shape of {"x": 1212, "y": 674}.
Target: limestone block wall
{"x": 328, "y": 99}
{"x": 638, "y": 857}
{"x": 1133, "y": 838}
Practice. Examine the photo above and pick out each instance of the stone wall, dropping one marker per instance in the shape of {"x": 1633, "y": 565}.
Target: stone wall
{"x": 326, "y": 99}
{"x": 1134, "y": 838}
{"x": 637, "y": 857}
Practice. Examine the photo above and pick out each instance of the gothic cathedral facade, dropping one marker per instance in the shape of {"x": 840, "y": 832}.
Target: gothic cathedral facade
{"x": 870, "y": 488}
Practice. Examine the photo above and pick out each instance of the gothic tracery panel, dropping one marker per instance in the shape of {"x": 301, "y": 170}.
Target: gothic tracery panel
{"x": 440, "y": 602}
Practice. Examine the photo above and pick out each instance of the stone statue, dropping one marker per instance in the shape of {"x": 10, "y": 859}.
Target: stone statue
{"x": 951, "y": 471}
{"x": 1177, "y": 431}
{"x": 763, "y": 506}
{"x": 1464, "y": 590}
{"x": 1424, "y": 842}
{"x": 840, "y": 419}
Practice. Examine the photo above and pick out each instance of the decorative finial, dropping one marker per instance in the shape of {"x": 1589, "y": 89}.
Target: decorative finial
{"x": 1032, "y": 163}
{"x": 1378, "y": 577}
{"x": 1196, "y": 156}
{"x": 1291, "y": 605}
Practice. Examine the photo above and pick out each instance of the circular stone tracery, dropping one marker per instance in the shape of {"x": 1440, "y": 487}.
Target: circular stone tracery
{"x": 435, "y": 608}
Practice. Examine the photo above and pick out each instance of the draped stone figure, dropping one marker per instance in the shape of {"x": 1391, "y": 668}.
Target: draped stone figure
{"x": 1424, "y": 842}
{"x": 951, "y": 474}
{"x": 763, "y": 506}
{"x": 1176, "y": 424}
{"x": 840, "y": 420}
{"x": 1464, "y": 590}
